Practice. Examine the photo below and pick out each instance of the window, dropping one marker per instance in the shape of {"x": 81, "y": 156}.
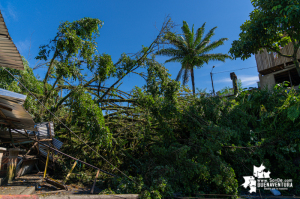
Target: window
{"x": 290, "y": 76}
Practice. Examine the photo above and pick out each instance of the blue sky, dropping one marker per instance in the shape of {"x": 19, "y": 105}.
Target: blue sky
{"x": 129, "y": 24}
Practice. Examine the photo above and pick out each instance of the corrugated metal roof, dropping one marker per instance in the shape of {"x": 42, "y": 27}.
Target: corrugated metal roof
{"x": 9, "y": 54}
{"x": 12, "y": 112}
{"x": 43, "y": 130}
{"x": 43, "y": 149}
{"x": 12, "y": 96}
{"x": 58, "y": 144}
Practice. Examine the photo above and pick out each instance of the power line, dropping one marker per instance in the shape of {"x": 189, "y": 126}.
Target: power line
{"x": 234, "y": 70}
{"x": 67, "y": 127}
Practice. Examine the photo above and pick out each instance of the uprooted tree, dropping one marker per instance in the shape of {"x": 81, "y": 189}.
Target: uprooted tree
{"x": 167, "y": 144}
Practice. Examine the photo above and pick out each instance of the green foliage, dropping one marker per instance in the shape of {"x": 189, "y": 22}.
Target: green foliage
{"x": 207, "y": 144}
{"x": 272, "y": 25}
{"x": 227, "y": 90}
{"x": 168, "y": 144}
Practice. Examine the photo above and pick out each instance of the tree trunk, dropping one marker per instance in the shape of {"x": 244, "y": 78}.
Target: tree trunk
{"x": 193, "y": 81}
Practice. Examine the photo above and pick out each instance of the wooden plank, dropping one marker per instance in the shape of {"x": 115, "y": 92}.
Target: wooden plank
{"x": 55, "y": 183}
{"x": 45, "y": 140}
{"x": 12, "y": 66}
{"x": 5, "y": 107}
{"x": 6, "y": 42}
{"x": 9, "y": 119}
{"x": 67, "y": 177}
{"x": 92, "y": 190}
{"x": 11, "y": 54}
{"x": 10, "y": 62}
{"x": 4, "y": 38}
{"x": 266, "y": 61}
{"x": 6, "y": 64}
{"x": 4, "y": 32}
{"x": 8, "y": 46}
{"x": 12, "y": 140}
{"x": 46, "y": 165}
{"x": 10, "y": 59}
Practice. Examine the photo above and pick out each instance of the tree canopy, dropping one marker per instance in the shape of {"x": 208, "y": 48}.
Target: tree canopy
{"x": 272, "y": 25}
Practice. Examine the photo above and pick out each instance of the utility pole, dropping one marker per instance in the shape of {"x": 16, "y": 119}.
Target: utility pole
{"x": 212, "y": 83}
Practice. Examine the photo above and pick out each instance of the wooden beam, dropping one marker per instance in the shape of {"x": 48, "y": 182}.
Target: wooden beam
{"x": 92, "y": 190}
{"x": 12, "y": 140}
{"x": 46, "y": 165}
{"x": 5, "y": 107}
{"x": 67, "y": 178}
{"x": 56, "y": 183}
{"x": 45, "y": 140}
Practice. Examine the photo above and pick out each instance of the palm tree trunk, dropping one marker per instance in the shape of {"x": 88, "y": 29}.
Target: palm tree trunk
{"x": 193, "y": 81}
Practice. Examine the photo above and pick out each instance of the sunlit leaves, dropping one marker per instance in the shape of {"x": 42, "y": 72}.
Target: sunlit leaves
{"x": 272, "y": 24}
{"x": 190, "y": 50}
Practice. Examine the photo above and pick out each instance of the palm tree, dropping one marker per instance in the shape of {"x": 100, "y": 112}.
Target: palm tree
{"x": 191, "y": 50}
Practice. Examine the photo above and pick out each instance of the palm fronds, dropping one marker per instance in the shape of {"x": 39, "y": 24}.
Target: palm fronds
{"x": 191, "y": 50}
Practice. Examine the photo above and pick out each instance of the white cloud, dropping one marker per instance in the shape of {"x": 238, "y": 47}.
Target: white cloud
{"x": 246, "y": 80}
{"x": 12, "y": 12}
{"x": 23, "y": 47}
{"x": 249, "y": 80}
{"x": 8, "y": 12}
{"x": 224, "y": 80}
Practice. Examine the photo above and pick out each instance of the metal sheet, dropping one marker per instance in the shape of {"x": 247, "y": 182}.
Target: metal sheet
{"x": 9, "y": 54}
{"x": 19, "y": 118}
{"x": 56, "y": 143}
{"x": 42, "y": 132}
{"x": 43, "y": 129}
{"x": 12, "y": 96}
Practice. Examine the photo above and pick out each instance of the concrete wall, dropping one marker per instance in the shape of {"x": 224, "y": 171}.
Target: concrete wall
{"x": 267, "y": 81}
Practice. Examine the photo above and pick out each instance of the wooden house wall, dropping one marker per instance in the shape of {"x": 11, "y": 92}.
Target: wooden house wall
{"x": 265, "y": 60}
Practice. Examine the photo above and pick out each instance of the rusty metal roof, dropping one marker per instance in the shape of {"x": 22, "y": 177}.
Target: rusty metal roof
{"x": 9, "y": 54}
{"x": 12, "y": 112}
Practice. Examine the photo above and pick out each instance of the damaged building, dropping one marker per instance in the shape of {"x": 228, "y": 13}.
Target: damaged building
{"x": 25, "y": 145}
{"x": 274, "y": 69}
{"x": 16, "y": 124}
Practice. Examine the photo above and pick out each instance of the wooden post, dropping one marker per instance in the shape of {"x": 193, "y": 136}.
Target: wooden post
{"x": 67, "y": 178}
{"x": 12, "y": 140}
{"x": 233, "y": 77}
{"x": 92, "y": 190}
{"x": 37, "y": 146}
{"x": 46, "y": 165}
{"x": 12, "y": 163}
